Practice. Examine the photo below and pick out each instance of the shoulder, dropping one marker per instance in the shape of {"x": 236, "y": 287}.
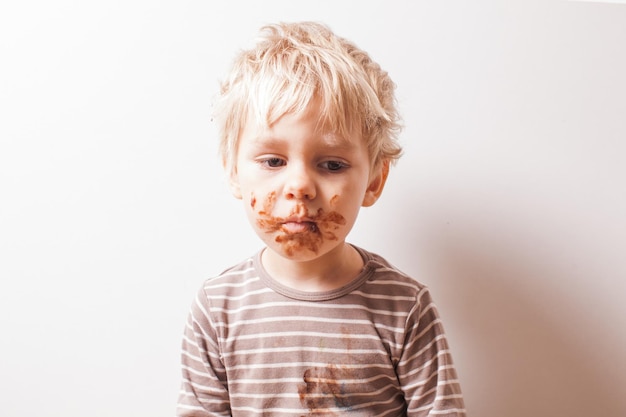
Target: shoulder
{"x": 383, "y": 271}
{"x": 386, "y": 278}
{"x": 232, "y": 275}
{"x": 231, "y": 282}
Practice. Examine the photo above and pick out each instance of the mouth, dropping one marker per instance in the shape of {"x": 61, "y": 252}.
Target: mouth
{"x": 299, "y": 226}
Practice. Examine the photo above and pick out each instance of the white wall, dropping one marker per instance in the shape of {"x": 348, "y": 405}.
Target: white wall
{"x": 510, "y": 200}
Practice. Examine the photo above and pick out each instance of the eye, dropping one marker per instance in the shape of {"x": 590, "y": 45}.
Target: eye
{"x": 272, "y": 162}
{"x": 334, "y": 166}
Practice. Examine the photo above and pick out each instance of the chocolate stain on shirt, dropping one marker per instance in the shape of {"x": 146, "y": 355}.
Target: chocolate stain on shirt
{"x": 323, "y": 389}
{"x": 332, "y": 386}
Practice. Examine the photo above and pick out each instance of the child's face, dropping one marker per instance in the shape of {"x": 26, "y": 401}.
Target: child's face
{"x": 302, "y": 186}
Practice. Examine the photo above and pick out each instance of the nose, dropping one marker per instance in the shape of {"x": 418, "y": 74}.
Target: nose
{"x": 299, "y": 183}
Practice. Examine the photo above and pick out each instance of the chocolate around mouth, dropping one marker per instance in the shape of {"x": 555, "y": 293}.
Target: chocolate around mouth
{"x": 295, "y": 235}
{"x": 310, "y": 235}
{"x": 292, "y": 227}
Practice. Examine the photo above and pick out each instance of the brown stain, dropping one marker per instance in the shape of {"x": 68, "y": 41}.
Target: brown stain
{"x": 323, "y": 226}
{"x": 252, "y": 201}
{"x": 327, "y": 387}
{"x": 268, "y": 205}
{"x": 333, "y": 200}
{"x": 323, "y": 389}
{"x": 345, "y": 331}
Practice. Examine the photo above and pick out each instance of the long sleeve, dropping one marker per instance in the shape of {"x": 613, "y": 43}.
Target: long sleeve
{"x": 203, "y": 391}
{"x": 425, "y": 370}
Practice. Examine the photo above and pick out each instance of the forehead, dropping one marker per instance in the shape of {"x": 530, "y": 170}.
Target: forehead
{"x": 307, "y": 126}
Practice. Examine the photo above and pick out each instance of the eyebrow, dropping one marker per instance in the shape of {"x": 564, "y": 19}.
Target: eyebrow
{"x": 329, "y": 141}
{"x": 332, "y": 140}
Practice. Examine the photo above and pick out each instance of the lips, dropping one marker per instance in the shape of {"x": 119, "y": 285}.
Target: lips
{"x": 299, "y": 226}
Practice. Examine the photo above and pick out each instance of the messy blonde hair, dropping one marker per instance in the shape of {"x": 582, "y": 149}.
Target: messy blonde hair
{"x": 291, "y": 65}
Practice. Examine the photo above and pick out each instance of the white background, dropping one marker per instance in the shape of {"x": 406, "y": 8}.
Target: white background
{"x": 509, "y": 202}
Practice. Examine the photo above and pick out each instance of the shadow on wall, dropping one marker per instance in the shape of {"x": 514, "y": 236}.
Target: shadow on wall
{"x": 525, "y": 343}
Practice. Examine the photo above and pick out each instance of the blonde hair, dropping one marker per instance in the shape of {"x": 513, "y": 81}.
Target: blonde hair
{"x": 291, "y": 65}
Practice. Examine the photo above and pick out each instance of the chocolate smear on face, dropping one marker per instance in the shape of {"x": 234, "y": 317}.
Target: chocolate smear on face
{"x": 322, "y": 226}
{"x": 333, "y": 201}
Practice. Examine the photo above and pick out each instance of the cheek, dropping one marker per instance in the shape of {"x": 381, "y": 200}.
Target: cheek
{"x": 251, "y": 206}
{"x": 262, "y": 217}
{"x": 347, "y": 203}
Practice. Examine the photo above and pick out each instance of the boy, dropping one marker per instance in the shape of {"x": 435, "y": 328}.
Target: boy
{"x": 312, "y": 325}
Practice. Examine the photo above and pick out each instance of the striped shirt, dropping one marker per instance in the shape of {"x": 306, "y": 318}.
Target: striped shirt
{"x": 374, "y": 347}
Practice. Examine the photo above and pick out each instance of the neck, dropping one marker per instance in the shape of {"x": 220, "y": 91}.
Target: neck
{"x": 328, "y": 272}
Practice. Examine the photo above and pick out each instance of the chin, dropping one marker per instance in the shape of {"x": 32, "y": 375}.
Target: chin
{"x": 296, "y": 251}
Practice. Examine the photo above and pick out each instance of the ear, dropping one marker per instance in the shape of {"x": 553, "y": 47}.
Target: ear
{"x": 233, "y": 184}
{"x": 377, "y": 183}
